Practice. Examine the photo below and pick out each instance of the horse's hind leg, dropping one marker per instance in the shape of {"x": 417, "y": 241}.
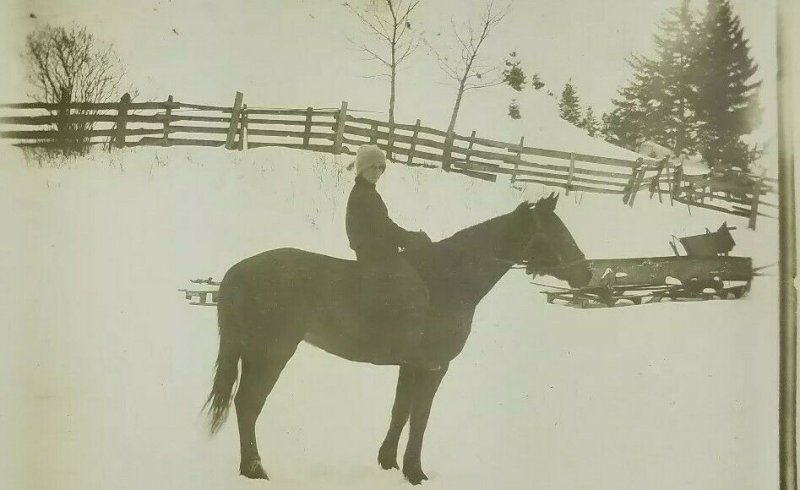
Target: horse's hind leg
{"x": 425, "y": 386}
{"x": 387, "y": 455}
{"x": 260, "y": 371}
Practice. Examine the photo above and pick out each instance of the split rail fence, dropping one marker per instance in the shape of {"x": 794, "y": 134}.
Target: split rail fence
{"x": 339, "y": 130}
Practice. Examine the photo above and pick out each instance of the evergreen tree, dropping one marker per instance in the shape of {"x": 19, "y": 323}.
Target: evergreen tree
{"x": 728, "y": 106}
{"x": 536, "y": 82}
{"x": 605, "y": 128}
{"x": 513, "y": 109}
{"x": 629, "y": 123}
{"x": 590, "y": 122}
{"x": 569, "y": 105}
{"x": 513, "y": 75}
{"x": 659, "y": 102}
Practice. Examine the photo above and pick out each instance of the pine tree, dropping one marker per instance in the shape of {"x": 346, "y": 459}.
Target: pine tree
{"x": 659, "y": 102}
{"x": 513, "y": 75}
{"x": 536, "y": 82}
{"x": 513, "y": 109}
{"x": 569, "y": 105}
{"x": 728, "y": 106}
{"x": 590, "y": 122}
{"x": 605, "y": 128}
{"x": 677, "y": 49}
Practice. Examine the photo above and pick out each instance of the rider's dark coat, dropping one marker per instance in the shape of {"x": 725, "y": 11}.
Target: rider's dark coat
{"x": 372, "y": 234}
{"x": 391, "y": 291}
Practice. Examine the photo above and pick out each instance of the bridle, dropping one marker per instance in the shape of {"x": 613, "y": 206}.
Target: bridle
{"x": 521, "y": 263}
{"x": 544, "y": 269}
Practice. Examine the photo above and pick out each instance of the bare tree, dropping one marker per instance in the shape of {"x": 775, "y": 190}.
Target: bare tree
{"x": 69, "y": 65}
{"x": 465, "y": 67}
{"x": 388, "y": 23}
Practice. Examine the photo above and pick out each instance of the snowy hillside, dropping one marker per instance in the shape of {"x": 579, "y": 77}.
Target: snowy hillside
{"x": 540, "y": 123}
{"x": 109, "y": 366}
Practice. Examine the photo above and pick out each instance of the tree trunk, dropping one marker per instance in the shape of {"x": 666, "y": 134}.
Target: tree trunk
{"x": 456, "y": 106}
{"x": 448, "y": 142}
{"x": 391, "y": 101}
{"x": 392, "y": 89}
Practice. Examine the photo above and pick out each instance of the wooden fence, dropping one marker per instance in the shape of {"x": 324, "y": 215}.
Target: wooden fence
{"x": 339, "y": 130}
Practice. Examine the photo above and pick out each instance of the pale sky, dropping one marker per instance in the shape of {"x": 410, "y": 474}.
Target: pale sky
{"x": 295, "y": 53}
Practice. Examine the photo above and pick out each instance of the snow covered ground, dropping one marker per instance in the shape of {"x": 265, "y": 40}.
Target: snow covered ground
{"x": 109, "y": 366}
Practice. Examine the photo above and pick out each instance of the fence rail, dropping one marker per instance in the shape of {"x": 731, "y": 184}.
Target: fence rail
{"x": 337, "y": 130}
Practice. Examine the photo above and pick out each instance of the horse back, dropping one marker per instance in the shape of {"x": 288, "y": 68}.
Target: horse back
{"x": 290, "y": 295}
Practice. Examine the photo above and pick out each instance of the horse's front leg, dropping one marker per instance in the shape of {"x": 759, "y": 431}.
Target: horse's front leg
{"x": 387, "y": 455}
{"x": 425, "y": 385}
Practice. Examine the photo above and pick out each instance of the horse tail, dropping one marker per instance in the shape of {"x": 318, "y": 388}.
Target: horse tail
{"x": 227, "y": 365}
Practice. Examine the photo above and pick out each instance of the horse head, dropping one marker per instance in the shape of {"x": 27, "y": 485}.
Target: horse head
{"x": 548, "y": 247}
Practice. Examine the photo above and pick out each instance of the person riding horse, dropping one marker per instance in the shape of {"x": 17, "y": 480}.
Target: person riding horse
{"x": 271, "y": 302}
{"x": 391, "y": 291}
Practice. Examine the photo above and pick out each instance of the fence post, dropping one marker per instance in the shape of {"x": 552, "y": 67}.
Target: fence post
{"x": 237, "y": 107}
{"x": 122, "y": 119}
{"x": 448, "y": 147}
{"x": 469, "y": 147}
{"x": 413, "y": 145}
{"x": 637, "y": 183}
{"x": 62, "y": 122}
{"x": 517, "y": 160}
{"x": 166, "y": 121}
{"x": 626, "y": 195}
{"x": 754, "y": 205}
{"x": 669, "y": 184}
{"x": 341, "y": 119}
{"x": 307, "y": 131}
{"x": 243, "y": 128}
{"x": 390, "y": 141}
{"x": 571, "y": 171}
{"x": 655, "y": 184}
{"x": 373, "y": 137}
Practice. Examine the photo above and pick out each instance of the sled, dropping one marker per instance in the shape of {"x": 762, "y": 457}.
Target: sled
{"x": 643, "y": 280}
{"x": 611, "y": 296}
{"x": 202, "y": 297}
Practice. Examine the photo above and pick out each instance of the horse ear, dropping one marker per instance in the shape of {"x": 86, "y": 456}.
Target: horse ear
{"x": 525, "y": 206}
{"x": 547, "y": 203}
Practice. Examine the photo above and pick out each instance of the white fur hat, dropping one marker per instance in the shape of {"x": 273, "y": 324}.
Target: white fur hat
{"x": 369, "y": 156}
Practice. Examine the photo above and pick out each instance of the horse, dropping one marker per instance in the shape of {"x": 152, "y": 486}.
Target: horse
{"x": 271, "y": 302}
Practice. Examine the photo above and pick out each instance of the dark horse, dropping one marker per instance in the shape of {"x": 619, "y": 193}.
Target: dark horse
{"x": 271, "y": 302}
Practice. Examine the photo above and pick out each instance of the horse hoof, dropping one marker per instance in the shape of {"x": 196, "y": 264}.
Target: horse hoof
{"x": 253, "y": 470}
{"x": 388, "y": 459}
{"x": 415, "y": 476}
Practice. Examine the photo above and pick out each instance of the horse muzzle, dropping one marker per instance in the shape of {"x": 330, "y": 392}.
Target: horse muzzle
{"x": 577, "y": 273}
{"x": 580, "y": 277}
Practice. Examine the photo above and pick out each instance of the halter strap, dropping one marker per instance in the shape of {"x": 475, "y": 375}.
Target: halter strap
{"x": 548, "y": 269}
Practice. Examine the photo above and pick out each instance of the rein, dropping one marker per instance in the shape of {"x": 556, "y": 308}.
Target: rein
{"x": 561, "y": 267}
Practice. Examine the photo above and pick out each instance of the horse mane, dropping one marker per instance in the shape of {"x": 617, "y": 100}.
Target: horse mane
{"x": 469, "y": 235}
{"x": 498, "y": 224}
